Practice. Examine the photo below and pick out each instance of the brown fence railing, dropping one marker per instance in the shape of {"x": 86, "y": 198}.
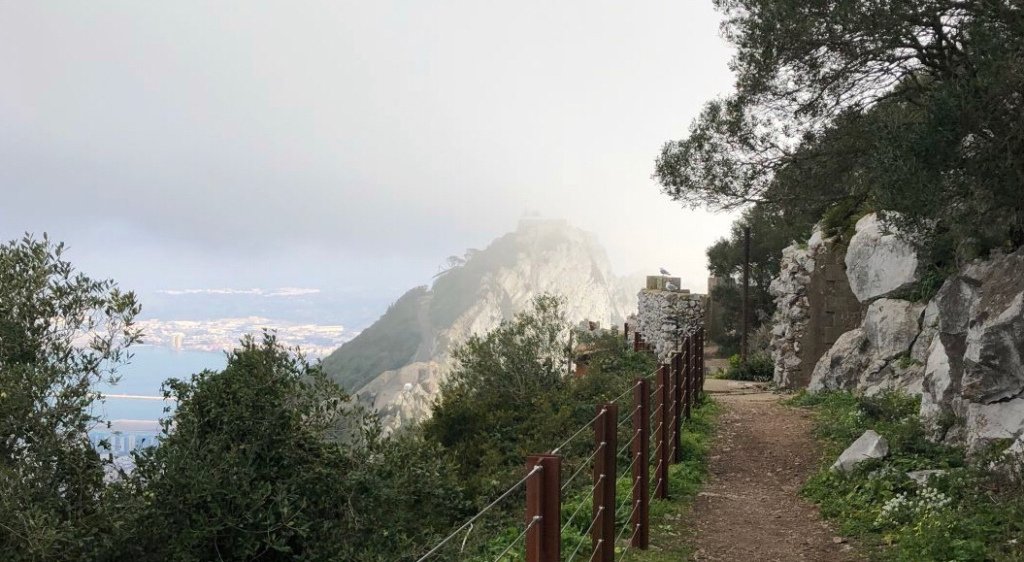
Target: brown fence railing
{"x": 655, "y": 410}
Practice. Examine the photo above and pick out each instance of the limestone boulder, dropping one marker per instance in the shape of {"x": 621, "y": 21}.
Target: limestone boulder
{"x": 878, "y": 262}
{"x": 942, "y": 373}
{"x": 922, "y": 476}
{"x": 870, "y": 445}
{"x": 989, "y": 422}
{"x": 994, "y": 358}
{"x": 876, "y": 356}
{"x": 840, "y": 368}
{"x": 891, "y": 326}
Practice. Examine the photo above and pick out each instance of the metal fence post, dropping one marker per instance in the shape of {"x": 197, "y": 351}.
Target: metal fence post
{"x": 544, "y": 509}
{"x": 662, "y": 435}
{"x": 602, "y": 535}
{"x": 641, "y": 464}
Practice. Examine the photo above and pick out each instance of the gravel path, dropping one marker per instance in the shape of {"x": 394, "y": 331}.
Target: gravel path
{"x": 750, "y": 508}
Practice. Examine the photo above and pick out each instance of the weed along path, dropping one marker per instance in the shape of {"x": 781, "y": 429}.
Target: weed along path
{"x": 750, "y": 508}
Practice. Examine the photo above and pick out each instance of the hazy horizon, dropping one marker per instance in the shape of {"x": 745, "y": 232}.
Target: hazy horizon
{"x": 346, "y": 145}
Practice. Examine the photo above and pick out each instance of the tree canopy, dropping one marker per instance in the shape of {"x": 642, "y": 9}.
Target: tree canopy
{"x": 61, "y": 332}
{"x": 913, "y": 106}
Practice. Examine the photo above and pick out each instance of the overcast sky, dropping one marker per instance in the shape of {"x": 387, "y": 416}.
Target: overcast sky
{"x": 337, "y": 144}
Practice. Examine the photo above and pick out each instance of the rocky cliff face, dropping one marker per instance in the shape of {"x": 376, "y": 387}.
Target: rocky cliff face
{"x": 472, "y": 298}
{"x": 963, "y": 351}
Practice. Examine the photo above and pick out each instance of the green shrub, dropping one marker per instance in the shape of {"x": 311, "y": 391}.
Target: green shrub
{"x": 759, "y": 367}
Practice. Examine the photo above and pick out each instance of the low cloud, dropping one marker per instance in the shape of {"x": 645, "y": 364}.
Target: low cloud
{"x": 280, "y": 292}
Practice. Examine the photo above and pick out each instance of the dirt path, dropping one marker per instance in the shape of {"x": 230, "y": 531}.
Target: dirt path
{"x": 750, "y": 508}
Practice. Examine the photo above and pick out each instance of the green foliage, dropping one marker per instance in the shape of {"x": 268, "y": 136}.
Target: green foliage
{"x": 509, "y": 397}
{"x": 971, "y": 512}
{"x": 759, "y": 367}
{"x": 770, "y": 232}
{"x": 61, "y": 332}
{"x": 268, "y": 459}
{"x": 685, "y": 481}
{"x": 388, "y": 344}
{"x": 911, "y": 106}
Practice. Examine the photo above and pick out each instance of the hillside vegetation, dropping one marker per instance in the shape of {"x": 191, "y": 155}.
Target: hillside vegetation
{"x": 840, "y": 108}
{"x": 389, "y": 343}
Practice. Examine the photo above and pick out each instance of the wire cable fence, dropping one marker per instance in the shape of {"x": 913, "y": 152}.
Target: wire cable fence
{"x": 635, "y": 440}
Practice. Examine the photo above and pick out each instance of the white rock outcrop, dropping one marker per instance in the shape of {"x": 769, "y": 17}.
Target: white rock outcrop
{"x": 870, "y": 445}
{"x": 878, "y": 355}
{"x": 973, "y": 390}
{"x": 540, "y": 257}
{"x": 879, "y": 263}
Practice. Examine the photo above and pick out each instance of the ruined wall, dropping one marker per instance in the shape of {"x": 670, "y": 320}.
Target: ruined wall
{"x": 814, "y": 306}
{"x": 833, "y": 310}
{"x": 664, "y": 317}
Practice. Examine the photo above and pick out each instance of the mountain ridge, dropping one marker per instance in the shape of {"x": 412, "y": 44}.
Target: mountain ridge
{"x": 396, "y": 364}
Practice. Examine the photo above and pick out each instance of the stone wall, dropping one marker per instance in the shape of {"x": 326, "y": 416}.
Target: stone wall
{"x": 663, "y": 317}
{"x": 962, "y": 351}
{"x": 814, "y": 307}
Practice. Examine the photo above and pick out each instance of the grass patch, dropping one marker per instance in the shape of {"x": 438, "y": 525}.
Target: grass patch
{"x": 669, "y": 539}
{"x": 970, "y": 512}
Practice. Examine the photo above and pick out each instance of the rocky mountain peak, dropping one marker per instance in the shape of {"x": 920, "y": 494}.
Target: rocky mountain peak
{"x": 397, "y": 363}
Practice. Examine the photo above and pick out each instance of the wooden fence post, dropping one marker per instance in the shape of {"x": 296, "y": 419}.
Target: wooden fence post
{"x": 602, "y": 536}
{"x": 662, "y": 421}
{"x": 700, "y": 363}
{"x": 688, "y": 377}
{"x": 641, "y": 464}
{"x": 677, "y": 412}
{"x": 544, "y": 509}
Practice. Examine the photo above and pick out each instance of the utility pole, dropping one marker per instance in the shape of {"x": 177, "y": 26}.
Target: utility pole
{"x": 746, "y": 295}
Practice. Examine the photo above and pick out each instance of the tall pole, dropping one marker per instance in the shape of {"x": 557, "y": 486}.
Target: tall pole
{"x": 746, "y": 295}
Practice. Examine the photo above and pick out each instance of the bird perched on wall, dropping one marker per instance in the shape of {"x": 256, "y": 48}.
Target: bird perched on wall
{"x": 670, "y": 287}
{"x": 665, "y": 271}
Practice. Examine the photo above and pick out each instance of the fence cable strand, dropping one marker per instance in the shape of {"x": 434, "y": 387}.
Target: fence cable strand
{"x": 628, "y": 499}
{"x": 628, "y": 417}
{"x": 582, "y": 503}
{"x": 630, "y": 543}
{"x": 533, "y": 522}
{"x": 628, "y": 390}
{"x": 586, "y": 534}
{"x": 584, "y": 465}
{"x": 628, "y": 443}
{"x": 480, "y": 513}
{"x": 579, "y": 431}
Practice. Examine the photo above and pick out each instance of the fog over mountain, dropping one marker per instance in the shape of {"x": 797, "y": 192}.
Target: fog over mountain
{"x": 397, "y": 364}
{"x": 344, "y": 146}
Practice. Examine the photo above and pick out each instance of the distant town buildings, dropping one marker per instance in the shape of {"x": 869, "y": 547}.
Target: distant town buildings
{"x": 125, "y": 436}
{"x": 223, "y": 334}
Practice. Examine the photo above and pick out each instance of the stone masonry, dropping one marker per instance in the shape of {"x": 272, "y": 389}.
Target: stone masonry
{"x": 664, "y": 317}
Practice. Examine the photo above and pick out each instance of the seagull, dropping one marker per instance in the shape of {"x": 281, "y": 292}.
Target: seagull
{"x": 665, "y": 271}
{"x": 670, "y": 287}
